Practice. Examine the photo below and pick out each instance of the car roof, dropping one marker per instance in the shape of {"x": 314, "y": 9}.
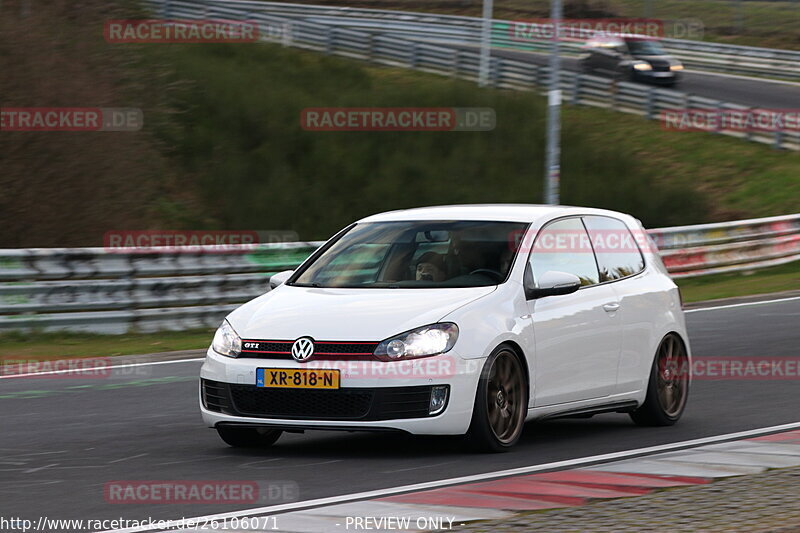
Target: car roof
{"x": 528, "y": 213}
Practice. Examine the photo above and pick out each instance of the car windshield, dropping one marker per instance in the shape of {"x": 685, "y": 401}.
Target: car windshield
{"x": 430, "y": 254}
{"x": 645, "y": 47}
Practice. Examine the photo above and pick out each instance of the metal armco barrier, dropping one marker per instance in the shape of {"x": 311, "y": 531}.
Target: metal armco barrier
{"x": 112, "y": 291}
{"x": 729, "y": 246}
{"x": 400, "y": 45}
{"x": 734, "y": 59}
{"x": 115, "y": 291}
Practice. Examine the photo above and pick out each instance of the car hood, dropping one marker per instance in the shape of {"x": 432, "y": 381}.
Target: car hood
{"x": 368, "y": 315}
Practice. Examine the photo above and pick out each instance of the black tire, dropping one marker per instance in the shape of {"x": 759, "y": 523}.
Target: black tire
{"x": 243, "y": 437}
{"x": 668, "y": 387}
{"x": 501, "y": 403}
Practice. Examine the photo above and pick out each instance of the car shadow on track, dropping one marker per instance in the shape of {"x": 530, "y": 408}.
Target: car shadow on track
{"x": 555, "y": 434}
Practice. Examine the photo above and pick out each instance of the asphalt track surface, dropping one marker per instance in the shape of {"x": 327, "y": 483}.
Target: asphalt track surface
{"x": 63, "y": 439}
{"x": 741, "y": 90}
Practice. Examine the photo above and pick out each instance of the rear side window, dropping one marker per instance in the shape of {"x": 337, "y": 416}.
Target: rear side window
{"x": 563, "y": 246}
{"x": 618, "y": 255}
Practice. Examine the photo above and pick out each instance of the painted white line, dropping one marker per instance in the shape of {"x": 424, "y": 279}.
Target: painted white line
{"x": 416, "y": 468}
{"x": 81, "y": 370}
{"x": 743, "y": 304}
{"x": 38, "y": 468}
{"x": 570, "y": 463}
{"x": 126, "y": 458}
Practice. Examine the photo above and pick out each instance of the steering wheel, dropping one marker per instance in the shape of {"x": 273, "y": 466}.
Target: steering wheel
{"x": 497, "y": 276}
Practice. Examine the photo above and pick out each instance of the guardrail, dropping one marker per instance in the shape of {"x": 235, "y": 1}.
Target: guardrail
{"x": 454, "y": 29}
{"x": 110, "y": 291}
{"x": 689, "y": 251}
{"x": 439, "y": 58}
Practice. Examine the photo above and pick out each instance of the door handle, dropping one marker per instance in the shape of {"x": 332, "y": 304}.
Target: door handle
{"x": 611, "y": 307}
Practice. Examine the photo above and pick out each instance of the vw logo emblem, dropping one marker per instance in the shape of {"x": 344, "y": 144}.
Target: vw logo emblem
{"x": 303, "y": 349}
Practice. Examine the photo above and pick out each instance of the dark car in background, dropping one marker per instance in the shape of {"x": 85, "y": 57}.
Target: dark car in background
{"x": 634, "y": 58}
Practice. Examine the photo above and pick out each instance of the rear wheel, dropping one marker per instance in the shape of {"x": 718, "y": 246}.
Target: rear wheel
{"x": 501, "y": 403}
{"x": 243, "y": 437}
{"x": 668, "y": 387}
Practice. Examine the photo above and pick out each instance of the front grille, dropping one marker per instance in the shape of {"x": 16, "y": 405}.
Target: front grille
{"x": 345, "y": 348}
{"x": 383, "y": 403}
{"x": 271, "y": 349}
{"x": 293, "y": 403}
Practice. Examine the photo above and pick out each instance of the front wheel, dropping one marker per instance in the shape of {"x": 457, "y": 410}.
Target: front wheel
{"x": 668, "y": 387}
{"x": 243, "y": 437}
{"x": 501, "y": 403}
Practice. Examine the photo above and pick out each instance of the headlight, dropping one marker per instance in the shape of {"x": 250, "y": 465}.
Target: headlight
{"x": 227, "y": 341}
{"x": 421, "y": 342}
{"x": 642, "y": 66}
{"x": 675, "y": 67}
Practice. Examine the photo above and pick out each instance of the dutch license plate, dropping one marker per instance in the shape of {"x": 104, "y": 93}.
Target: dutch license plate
{"x": 297, "y": 378}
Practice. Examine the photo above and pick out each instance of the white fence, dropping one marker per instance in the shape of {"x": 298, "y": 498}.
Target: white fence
{"x": 108, "y": 291}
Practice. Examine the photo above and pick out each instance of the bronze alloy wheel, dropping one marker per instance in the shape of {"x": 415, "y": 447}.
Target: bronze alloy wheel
{"x": 505, "y": 397}
{"x": 668, "y": 386}
{"x": 673, "y": 376}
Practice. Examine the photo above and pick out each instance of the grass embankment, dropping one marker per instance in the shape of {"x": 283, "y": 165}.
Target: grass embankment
{"x": 222, "y": 146}
{"x": 241, "y": 142}
{"x": 19, "y": 347}
{"x": 769, "y": 280}
{"x": 773, "y": 24}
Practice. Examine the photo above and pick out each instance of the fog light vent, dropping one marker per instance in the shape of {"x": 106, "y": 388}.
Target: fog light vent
{"x": 438, "y": 399}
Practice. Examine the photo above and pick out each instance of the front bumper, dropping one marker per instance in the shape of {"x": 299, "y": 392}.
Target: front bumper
{"x": 374, "y": 395}
{"x": 657, "y": 77}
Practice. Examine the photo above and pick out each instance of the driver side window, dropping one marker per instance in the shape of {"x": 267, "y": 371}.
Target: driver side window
{"x": 563, "y": 246}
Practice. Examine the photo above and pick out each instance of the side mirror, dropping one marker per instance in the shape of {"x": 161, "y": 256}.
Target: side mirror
{"x": 280, "y": 278}
{"x": 553, "y": 283}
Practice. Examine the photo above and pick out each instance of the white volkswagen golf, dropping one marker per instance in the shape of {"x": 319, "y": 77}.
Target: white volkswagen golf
{"x": 455, "y": 320}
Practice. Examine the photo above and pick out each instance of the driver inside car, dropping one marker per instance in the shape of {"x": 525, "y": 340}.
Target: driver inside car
{"x": 430, "y": 267}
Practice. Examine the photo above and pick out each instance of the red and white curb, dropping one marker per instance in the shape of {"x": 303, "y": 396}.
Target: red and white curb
{"x": 444, "y": 508}
{"x": 448, "y": 503}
